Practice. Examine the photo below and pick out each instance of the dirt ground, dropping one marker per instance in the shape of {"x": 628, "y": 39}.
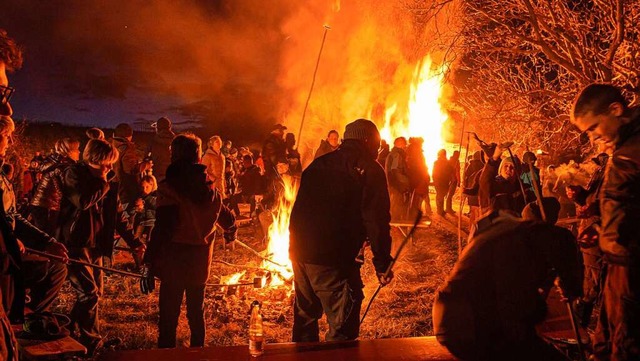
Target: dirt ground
{"x": 402, "y": 309}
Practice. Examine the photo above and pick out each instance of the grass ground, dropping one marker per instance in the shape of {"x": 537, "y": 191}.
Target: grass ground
{"x": 402, "y": 309}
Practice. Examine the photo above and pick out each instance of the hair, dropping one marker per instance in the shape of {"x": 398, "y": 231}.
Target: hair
{"x": 596, "y": 98}
{"x": 10, "y": 52}
{"x": 213, "y": 139}
{"x": 99, "y": 151}
{"x": 247, "y": 158}
{"x": 63, "y": 146}
{"x": 442, "y": 153}
{"x": 551, "y": 209}
{"x": 6, "y": 124}
{"x": 163, "y": 123}
{"x": 333, "y": 131}
{"x": 94, "y": 133}
{"x": 123, "y": 130}
{"x": 227, "y": 142}
{"x": 151, "y": 180}
{"x": 399, "y": 139}
{"x": 186, "y": 147}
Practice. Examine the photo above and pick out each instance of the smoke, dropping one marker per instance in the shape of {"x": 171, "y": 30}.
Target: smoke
{"x": 234, "y": 66}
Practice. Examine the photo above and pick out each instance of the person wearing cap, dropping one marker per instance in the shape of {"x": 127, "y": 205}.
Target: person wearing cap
{"x": 342, "y": 201}
{"x": 273, "y": 149}
{"x": 499, "y": 183}
{"x": 491, "y": 301}
{"x": 159, "y": 147}
{"x": 603, "y": 112}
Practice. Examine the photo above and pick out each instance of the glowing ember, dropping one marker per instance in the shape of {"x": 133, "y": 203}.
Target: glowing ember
{"x": 423, "y": 115}
{"x": 278, "y": 248}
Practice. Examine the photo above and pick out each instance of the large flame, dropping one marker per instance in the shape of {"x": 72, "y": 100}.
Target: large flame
{"x": 423, "y": 115}
{"x": 278, "y": 248}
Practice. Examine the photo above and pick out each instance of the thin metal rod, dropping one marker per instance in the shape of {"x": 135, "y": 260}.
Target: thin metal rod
{"x": 536, "y": 190}
{"x": 313, "y": 82}
{"x": 516, "y": 165}
{"x": 256, "y": 253}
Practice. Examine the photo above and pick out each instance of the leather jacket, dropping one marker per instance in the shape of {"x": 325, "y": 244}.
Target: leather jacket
{"x": 48, "y": 192}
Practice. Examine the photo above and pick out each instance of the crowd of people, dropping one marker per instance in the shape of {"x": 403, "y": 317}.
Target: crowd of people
{"x": 165, "y": 203}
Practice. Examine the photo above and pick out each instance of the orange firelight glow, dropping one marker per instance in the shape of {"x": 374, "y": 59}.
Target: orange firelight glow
{"x": 423, "y": 115}
{"x": 278, "y": 234}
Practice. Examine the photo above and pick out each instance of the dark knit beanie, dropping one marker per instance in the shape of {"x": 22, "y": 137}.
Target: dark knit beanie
{"x": 361, "y": 129}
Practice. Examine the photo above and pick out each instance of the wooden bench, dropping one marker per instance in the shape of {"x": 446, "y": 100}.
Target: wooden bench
{"x": 407, "y": 349}
{"x": 65, "y": 348}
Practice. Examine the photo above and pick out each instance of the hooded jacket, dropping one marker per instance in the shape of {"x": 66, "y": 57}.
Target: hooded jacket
{"x": 619, "y": 198}
{"x": 342, "y": 201}
{"x": 186, "y": 215}
{"x": 48, "y": 192}
{"x": 127, "y": 169}
{"x": 215, "y": 164}
{"x": 323, "y": 149}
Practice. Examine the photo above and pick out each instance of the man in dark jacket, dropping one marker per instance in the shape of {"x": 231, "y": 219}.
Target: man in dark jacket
{"x": 442, "y": 177}
{"x": 495, "y": 295}
{"x": 328, "y": 145}
{"x": 419, "y": 178}
{"x": 342, "y": 201}
{"x": 602, "y": 111}
{"x": 159, "y": 147}
{"x": 250, "y": 184}
{"x": 454, "y": 164}
{"x": 88, "y": 213}
{"x": 182, "y": 240}
{"x": 273, "y": 150}
{"x": 129, "y": 167}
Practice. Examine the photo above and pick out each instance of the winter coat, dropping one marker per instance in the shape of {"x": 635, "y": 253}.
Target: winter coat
{"x": 496, "y": 192}
{"x": 619, "y": 205}
{"x": 274, "y": 150}
{"x": 342, "y": 201}
{"x": 127, "y": 169}
{"x": 81, "y": 206}
{"x": 182, "y": 239}
{"x": 48, "y": 192}
{"x": 442, "y": 173}
{"x": 160, "y": 152}
{"x": 215, "y": 164}
{"x": 491, "y": 298}
{"x": 417, "y": 170}
{"x": 396, "y": 170}
{"x": 323, "y": 149}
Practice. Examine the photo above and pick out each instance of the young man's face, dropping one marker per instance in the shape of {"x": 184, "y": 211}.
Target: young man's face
{"x": 147, "y": 188}
{"x": 5, "y": 106}
{"x": 602, "y": 126}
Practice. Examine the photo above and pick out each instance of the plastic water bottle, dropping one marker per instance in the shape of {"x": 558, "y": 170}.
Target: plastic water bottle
{"x": 256, "y": 331}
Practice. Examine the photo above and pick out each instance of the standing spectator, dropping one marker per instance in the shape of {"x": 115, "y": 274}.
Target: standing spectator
{"x": 182, "y": 240}
{"x": 159, "y": 147}
{"x": 442, "y": 176}
{"x": 528, "y": 175}
{"x": 328, "y": 145}
{"x": 45, "y": 204}
{"x": 214, "y": 160}
{"x": 383, "y": 153}
{"x": 550, "y": 179}
{"x": 143, "y": 217}
{"x": 273, "y": 150}
{"x": 250, "y": 184}
{"x": 471, "y": 184}
{"x": 396, "y": 170}
{"x": 419, "y": 178}
{"x": 88, "y": 213}
{"x": 128, "y": 167}
{"x": 226, "y": 147}
{"x": 454, "y": 164}
{"x": 229, "y": 180}
{"x": 12, "y": 224}
{"x": 293, "y": 156}
{"x": 342, "y": 201}
{"x": 602, "y": 111}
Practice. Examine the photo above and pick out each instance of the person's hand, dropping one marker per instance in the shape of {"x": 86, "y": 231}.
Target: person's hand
{"x": 147, "y": 281}
{"x": 139, "y": 251}
{"x": 384, "y": 280}
{"x": 21, "y": 247}
{"x": 58, "y": 249}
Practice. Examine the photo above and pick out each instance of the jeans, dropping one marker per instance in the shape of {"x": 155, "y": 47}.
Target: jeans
{"x": 324, "y": 289}
{"x": 86, "y": 283}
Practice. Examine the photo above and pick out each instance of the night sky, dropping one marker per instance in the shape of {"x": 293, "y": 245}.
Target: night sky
{"x": 105, "y": 62}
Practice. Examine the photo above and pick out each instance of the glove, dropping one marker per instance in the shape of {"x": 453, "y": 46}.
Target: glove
{"x": 147, "y": 282}
{"x": 384, "y": 280}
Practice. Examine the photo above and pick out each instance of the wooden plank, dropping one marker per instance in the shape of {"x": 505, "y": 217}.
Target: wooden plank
{"x": 406, "y": 349}
{"x": 43, "y": 350}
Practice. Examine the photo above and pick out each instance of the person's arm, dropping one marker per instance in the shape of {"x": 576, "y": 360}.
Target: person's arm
{"x": 376, "y": 217}
{"x": 83, "y": 193}
{"x": 122, "y": 227}
{"x": 167, "y": 217}
{"x": 130, "y": 162}
{"x": 31, "y": 236}
{"x": 487, "y": 179}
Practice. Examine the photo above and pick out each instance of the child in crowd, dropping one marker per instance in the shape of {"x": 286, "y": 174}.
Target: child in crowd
{"x": 143, "y": 214}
